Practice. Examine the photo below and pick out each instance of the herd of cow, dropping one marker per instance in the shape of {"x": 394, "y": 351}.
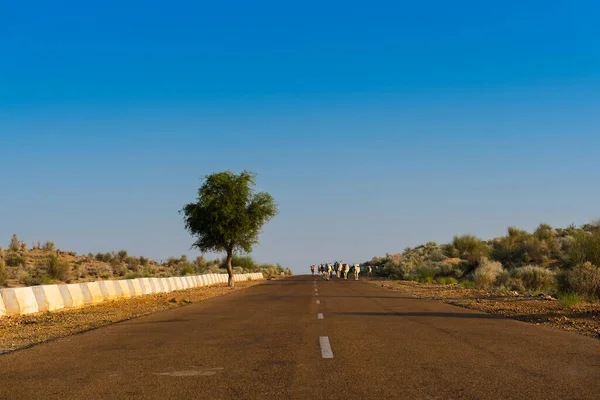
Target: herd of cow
{"x": 340, "y": 270}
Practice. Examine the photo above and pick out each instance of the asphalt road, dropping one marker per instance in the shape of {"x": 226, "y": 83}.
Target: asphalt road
{"x": 269, "y": 342}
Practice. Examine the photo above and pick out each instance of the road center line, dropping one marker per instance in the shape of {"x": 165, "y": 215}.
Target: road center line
{"x": 318, "y": 301}
{"x": 325, "y": 347}
{"x": 320, "y": 315}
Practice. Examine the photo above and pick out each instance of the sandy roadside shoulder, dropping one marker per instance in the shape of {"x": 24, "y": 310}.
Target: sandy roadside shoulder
{"x": 20, "y": 331}
{"x": 583, "y": 318}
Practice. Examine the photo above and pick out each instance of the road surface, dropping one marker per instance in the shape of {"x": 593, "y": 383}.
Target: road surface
{"x": 305, "y": 338}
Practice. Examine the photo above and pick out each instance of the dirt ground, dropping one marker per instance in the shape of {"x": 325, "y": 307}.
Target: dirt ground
{"x": 21, "y": 331}
{"x": 583, "y": 318}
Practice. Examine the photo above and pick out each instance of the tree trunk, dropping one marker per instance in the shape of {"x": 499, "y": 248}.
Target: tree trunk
{"x": 230, "y": 268}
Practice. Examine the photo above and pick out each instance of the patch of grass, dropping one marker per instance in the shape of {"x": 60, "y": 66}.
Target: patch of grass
{"x": 446, "y": 280}
{"x": 569, "y": 300}
{"x": 468, "y": 284}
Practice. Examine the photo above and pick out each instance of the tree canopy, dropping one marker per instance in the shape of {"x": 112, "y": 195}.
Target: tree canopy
{"x": 228, "y": 214}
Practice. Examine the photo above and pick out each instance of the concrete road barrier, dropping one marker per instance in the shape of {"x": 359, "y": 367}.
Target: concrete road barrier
{"x": 48, "y": 297}
{"x": 184, "y": 282}
{"x": 166, "y": 285}
{"x": 108, "y": 289}
{"x": 191, "y": 282}
{"x": 29, "y": 300}
{"x": 178, "y": 283}
{"x": 172, "y": 284}
{"x": 155, "y": 284}
{"x": 2, "y": 308}
{"x": 134, "y": 287}
{"x": 91, "y": 293}
{"x": 72, "y": 295}
{"x": 123, "y": 289}
{"x": 145, "y": 285}
{"x": 19, "y": 301}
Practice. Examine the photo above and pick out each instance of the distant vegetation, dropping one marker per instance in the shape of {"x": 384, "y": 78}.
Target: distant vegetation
{"x": 563, "y": 262}
{"x": 45, "y": 264}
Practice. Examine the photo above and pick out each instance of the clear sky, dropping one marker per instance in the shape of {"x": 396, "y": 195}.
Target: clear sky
{"x": 375, "y": 125}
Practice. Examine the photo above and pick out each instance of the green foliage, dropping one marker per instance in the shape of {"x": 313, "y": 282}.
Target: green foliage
{"x": 584, "y": 280}
{"x": 187, "y": 269}
{"x": 3, "y": 273}
{"x": 467, "y": 284}
{"x": 569, "y": 300}
{"x": 228, "y": 214}
{"x": 122, "y": 255}
{"x": 15, "y": 243}
{"x": 585, "y": 248}
{"x": 58, "y": 269}
{"x": 14, "y": 259}
{"x": 535, "y": 278}
{"x": 143, "y": 261}
{"x": 469, "y": 247}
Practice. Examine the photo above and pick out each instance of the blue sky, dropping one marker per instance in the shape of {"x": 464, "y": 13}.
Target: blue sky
{"x": 376, "y": 125}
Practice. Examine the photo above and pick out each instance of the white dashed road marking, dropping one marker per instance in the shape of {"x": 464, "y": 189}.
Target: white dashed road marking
{"x": 318, "y": 301}
{"x": 320, "y": 315}
{"x": 325, "y": 347}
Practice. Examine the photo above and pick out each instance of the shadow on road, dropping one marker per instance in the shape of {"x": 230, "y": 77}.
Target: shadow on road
{"x": 421, "y": 314}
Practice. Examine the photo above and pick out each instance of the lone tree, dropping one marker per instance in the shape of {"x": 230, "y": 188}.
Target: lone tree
{"x": 228, "y": 214}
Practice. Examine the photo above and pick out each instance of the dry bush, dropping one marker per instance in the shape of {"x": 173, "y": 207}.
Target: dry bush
{"x": 49, "y": 246}
{"x": 3, "y": 273}
{"x": 59, "y": 269}
{"x": 536, "y": 279}
{"x": 486, "y": 273}
{"x": 584, "y": 280}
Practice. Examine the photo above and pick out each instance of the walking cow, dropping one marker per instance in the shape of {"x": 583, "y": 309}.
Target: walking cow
{"x": 356, "y": 271}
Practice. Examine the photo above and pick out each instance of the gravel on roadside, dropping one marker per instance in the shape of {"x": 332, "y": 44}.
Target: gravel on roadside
{"x": 20, "y": 331}
{"x": 583, "y": 318}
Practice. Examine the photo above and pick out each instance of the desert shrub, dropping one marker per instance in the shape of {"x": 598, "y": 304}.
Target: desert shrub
{"x": 427, "y": 271}
{"x": 143, "y": 261}
{"x": 469, "y": 247}
{"x": 569, "y": 300}
{"x": 467, "y": 284}
{"x": 15, "y": 243}
{"x": 132, "y": 263}
{"x": 437, "y": 254}
{"x": 122, "y": 255}
{"x": 49, "y": 246}
{"x": 3, "y": 273}
{"x": 584, "y": 280}
{"x": 133, "y": 275}
{"x": 14, "y": 259}
{"x": 585, "y": 248}
{"x": 446, "y": 280}
{"x": 534, "y": 278}
{"x": 187, "y": 269}
{"x": 486, "y": 272}
{"x": 59, "y": 269}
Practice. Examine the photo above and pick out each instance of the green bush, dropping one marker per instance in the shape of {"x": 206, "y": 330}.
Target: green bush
{"x": 569, "y": 300}
{"x": 535, "y": 279}
{"x": 14, "y": 259}
{"x": 469, "y": 247}
{"x": 58, "y": 269}
{"x": 467, "y": 284}
{"x": 583, "y": 280}
{"x": 3, "y": 273}
{"x": 585, "y": 248}
{"x": 187, "y": 269}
